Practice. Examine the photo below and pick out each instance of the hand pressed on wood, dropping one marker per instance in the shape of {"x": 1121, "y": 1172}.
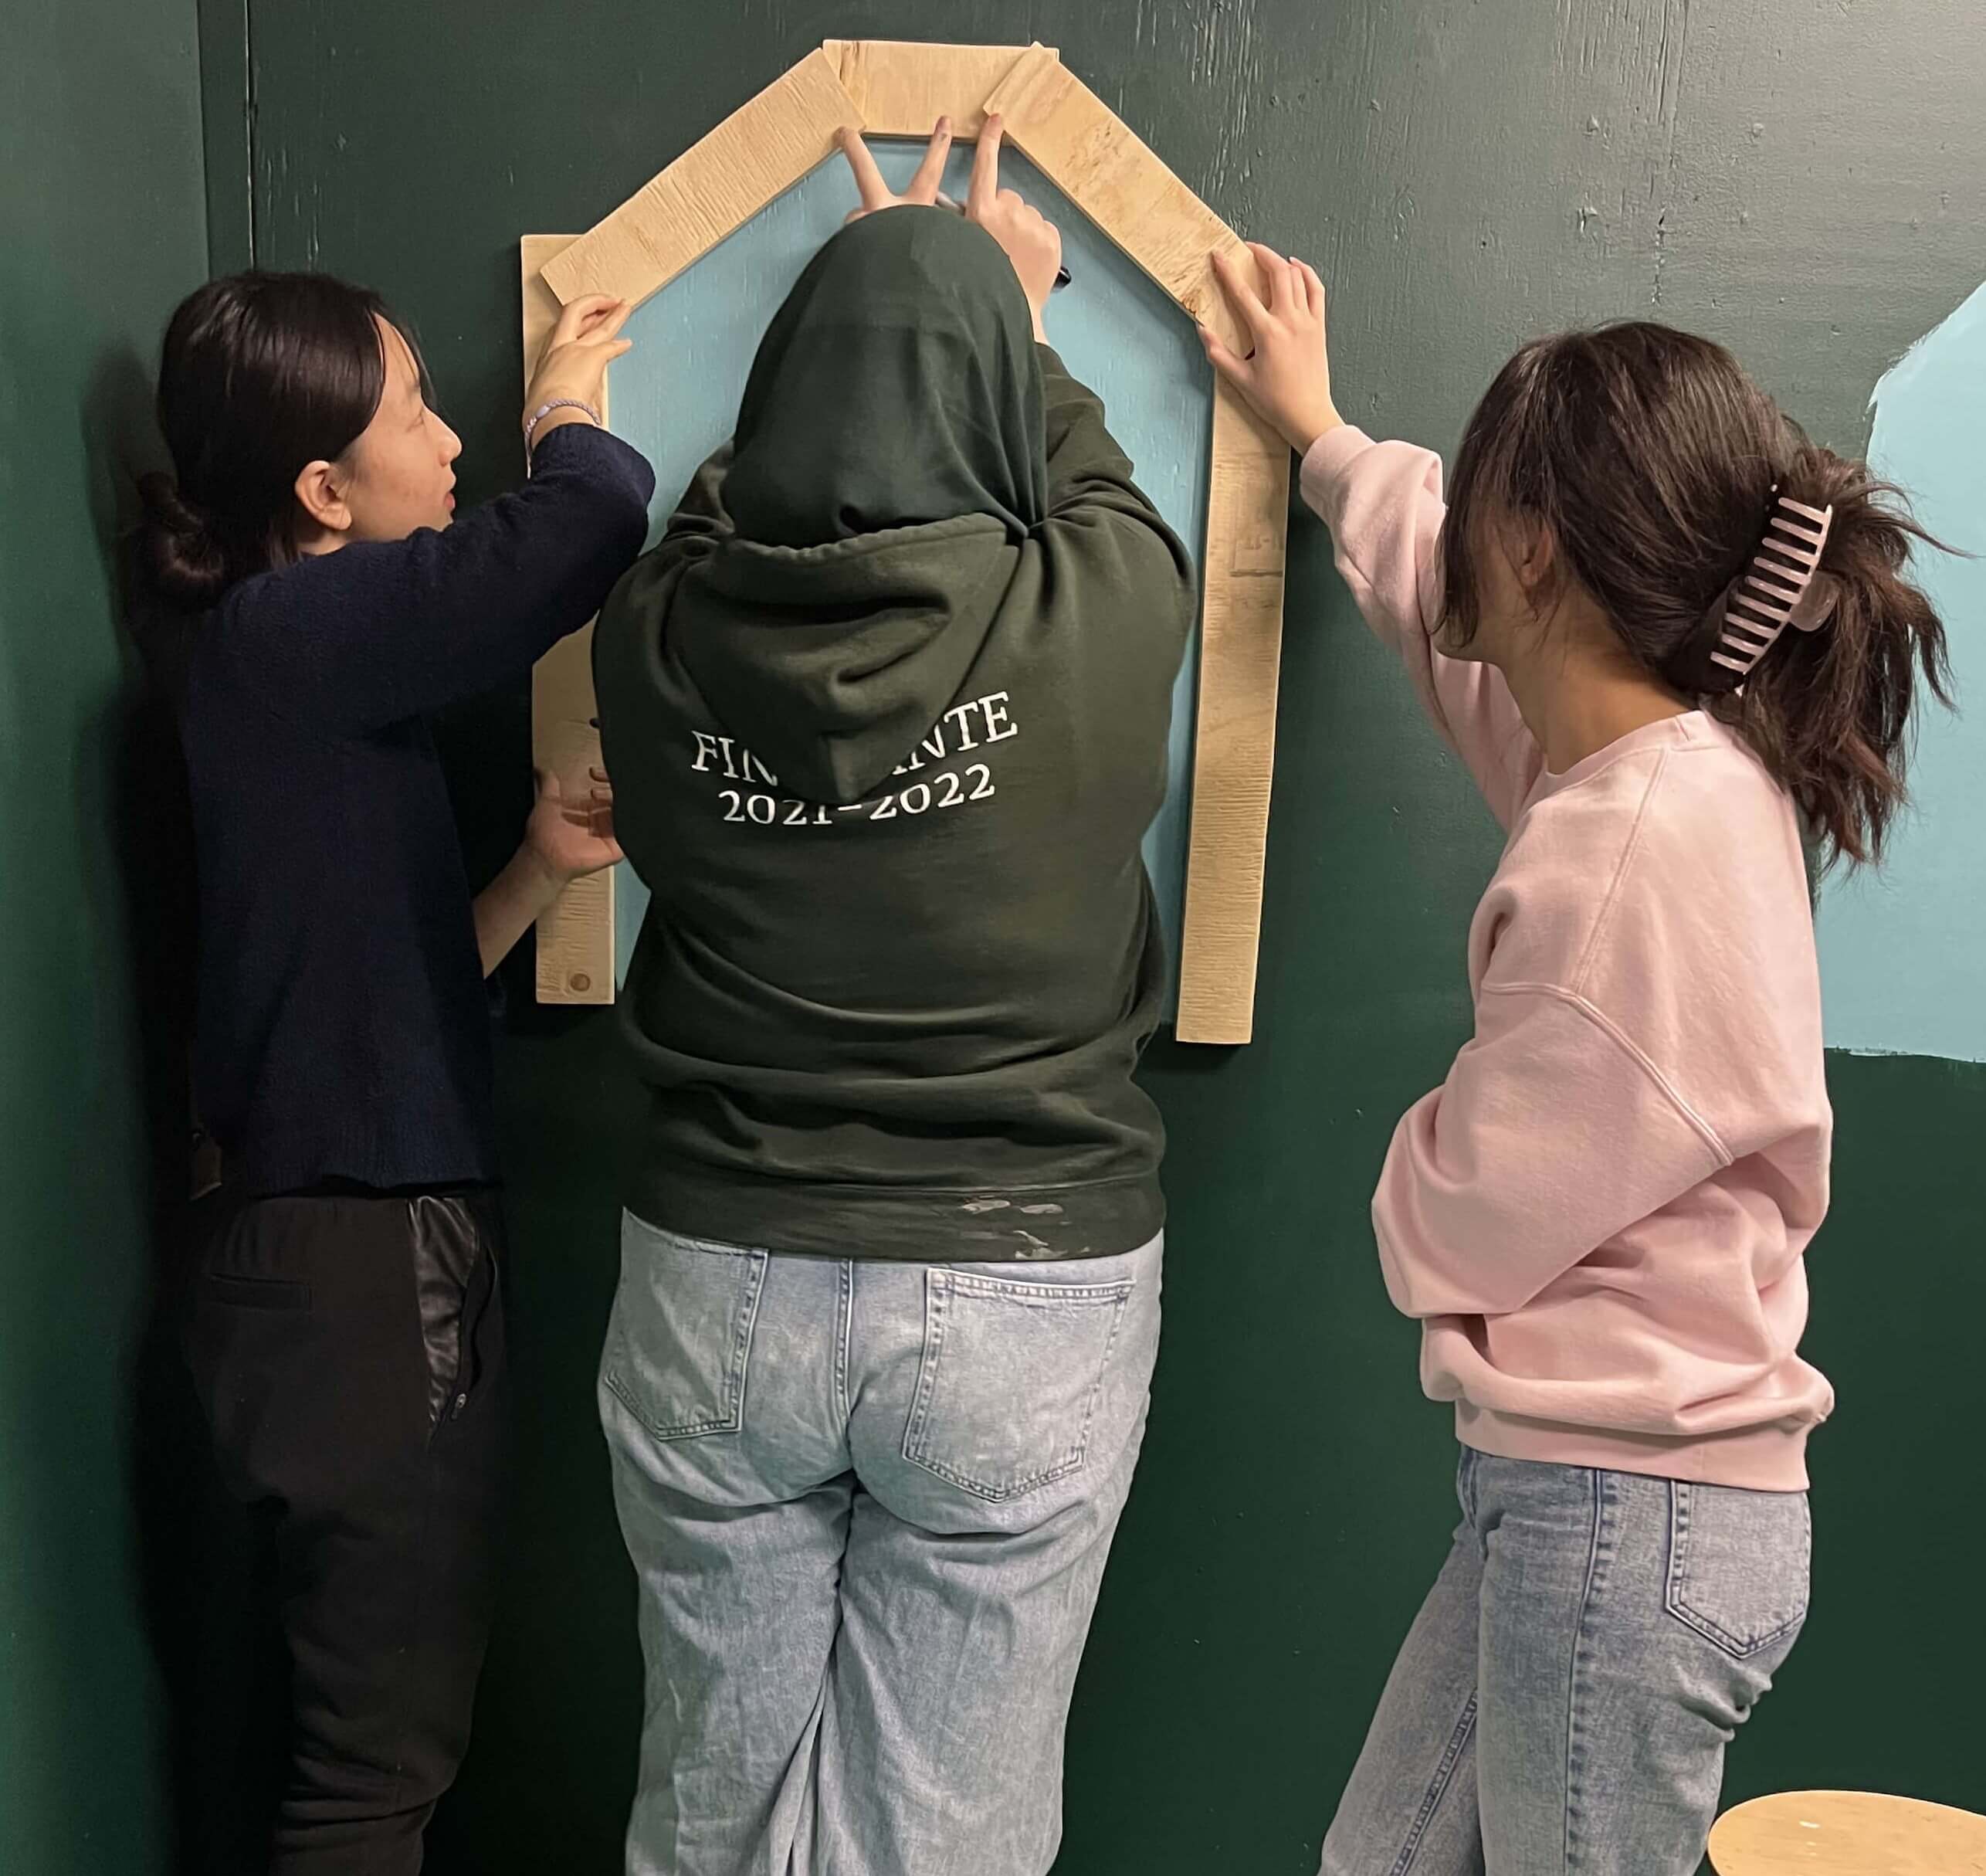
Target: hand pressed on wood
{"x": 585, "y": 340}
{"x": 1287, "y": 376}
{"x": 572, "y": 837}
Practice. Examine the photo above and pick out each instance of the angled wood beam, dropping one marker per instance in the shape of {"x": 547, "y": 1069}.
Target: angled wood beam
{"x": 902, "y": 86}
{"x": 1115, "y": 179}
{"x": 712, "y": 189}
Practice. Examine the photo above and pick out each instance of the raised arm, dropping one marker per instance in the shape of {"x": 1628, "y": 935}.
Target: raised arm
{"x": 1091, "y": 495}
{"x": 1383, "y": 504}
{"x": 376, "y": 631}
{"x": 392, "y": 630}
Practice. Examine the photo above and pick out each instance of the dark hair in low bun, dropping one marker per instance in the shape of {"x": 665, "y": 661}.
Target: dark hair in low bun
{"x": 1654, "y": 461}
{"x": 261, "y": 374}
{"x": 183, "y": 560}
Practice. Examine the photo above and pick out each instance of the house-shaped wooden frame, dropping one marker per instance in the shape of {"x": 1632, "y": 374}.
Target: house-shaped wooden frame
{"x": 889, "y": 88}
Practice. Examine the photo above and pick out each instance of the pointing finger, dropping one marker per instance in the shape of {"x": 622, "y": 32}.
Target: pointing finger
{"x": 985, "y": 188}
{"x": 924, "y": 185}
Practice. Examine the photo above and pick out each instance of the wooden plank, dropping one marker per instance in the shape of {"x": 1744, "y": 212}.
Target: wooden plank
{"x": 1096, "y": 160}
{"x": 902, "y": 86}
{"x": 718, "y": 185}
{"x": 1234, "y": 746}
{"x": 575, "y": 937}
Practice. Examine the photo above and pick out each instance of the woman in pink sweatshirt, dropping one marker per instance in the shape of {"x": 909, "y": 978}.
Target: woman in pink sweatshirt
{"x": 1671, "y": 639}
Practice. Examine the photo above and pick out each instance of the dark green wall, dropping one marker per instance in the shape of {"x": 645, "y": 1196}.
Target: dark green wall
{"x": 1805, "y": 178}
{"x": 101, "y": 229}
{"x": 1802, "y": 179}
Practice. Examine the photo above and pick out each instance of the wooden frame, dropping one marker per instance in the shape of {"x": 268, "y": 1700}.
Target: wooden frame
{"x": 576, "y": 933}
{"x": 894, "y": 88}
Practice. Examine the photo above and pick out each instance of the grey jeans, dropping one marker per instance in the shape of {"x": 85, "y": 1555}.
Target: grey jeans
{"x": 1563, "y": 1701}
{"x": 870, "y": 1505}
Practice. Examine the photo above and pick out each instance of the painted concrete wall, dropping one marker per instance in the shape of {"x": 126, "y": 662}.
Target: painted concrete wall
{"x": 1801, "y": 178}
{"x": 1804, "y": 179}
{"x": 101, "y": 229}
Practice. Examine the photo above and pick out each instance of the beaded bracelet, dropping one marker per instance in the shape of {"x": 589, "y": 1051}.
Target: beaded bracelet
{"x": 543, "y": 411}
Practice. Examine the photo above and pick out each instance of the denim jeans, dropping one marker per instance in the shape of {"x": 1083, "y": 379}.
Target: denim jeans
{"x": 1563, "y": 1701}
{"x": 868, "y": 1503}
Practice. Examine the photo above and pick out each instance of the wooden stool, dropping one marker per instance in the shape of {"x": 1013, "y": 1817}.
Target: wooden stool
{"x": 1847, "y": 1833}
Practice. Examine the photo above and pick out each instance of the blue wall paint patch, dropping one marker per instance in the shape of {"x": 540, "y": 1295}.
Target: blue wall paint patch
{"x": 675, "y": 398}
{"x": 1904, "y": 951}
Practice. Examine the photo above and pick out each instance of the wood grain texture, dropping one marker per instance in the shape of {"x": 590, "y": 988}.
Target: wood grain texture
{"x": 1234, "y": 744}
{"x": 902, "y": 86}
{"x": 714, "y": 187}
{"x": 575, "y": 933}
{"x": 1117, "y": 181}
{"x": 1847, "y": 1833}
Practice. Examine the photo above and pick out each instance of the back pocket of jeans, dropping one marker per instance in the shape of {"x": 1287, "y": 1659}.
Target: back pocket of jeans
{"x": 1011, "y": 1374}
{"x": 680, "y": 1344}
{"x": 1738, "y": 1564}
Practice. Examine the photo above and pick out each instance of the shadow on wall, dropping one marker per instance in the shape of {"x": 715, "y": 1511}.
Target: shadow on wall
{"x": 224, "y": 1680}
{"x": 131, "y": 786}
{"x": 94, "y": 1098}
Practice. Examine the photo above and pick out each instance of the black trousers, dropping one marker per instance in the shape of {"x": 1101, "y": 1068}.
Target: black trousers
{"x": 347, "y": 1352}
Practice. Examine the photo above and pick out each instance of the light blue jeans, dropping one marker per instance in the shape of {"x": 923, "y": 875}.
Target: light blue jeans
{"x": 1563, "y": 1701}
{"x": 870, "y": 1505}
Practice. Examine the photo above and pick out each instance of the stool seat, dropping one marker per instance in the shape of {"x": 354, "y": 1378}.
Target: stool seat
{"x": 1847, "y": 1833}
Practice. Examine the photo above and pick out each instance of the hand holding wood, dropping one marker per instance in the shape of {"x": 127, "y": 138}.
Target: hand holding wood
{"x": 1287, "y": 376}
{"x": 572, "y": 835}
{"x": 574, "y": 363}
{"x": 1032, "y": 243}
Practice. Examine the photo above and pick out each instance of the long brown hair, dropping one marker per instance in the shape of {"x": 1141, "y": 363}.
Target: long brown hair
{"x": 1653, "y": 462}
{"x": 261, "y": 374}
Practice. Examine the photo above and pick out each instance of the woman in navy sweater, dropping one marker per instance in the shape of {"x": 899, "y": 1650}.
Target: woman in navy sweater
{"x": 317, "y": 600}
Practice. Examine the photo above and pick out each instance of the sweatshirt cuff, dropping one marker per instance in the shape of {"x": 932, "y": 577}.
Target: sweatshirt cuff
{"x": 592, "y": 449}
{"x": 1327, "y": 461}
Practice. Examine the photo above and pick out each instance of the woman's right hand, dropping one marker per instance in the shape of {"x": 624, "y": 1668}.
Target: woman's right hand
{"x": 1032, "y": 243}
{"x": 584, "y": 342}
{"x": 1287, "y": 375}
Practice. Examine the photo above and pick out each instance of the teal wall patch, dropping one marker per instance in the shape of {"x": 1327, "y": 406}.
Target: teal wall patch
{"x": 1901, "y": 948}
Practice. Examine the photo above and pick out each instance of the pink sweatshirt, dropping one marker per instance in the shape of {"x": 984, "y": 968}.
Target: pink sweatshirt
{"x": 1599, "y": 1217}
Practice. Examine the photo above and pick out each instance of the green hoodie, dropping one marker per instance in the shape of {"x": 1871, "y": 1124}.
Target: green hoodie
{"x": 887, "y": 713}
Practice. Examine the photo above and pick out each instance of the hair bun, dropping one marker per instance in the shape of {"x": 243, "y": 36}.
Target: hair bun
{"x": 167, "y": 508}
{"x": 186, "y": 563}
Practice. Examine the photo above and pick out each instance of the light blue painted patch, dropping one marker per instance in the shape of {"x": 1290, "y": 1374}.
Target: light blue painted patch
{"x": 676, "y": 396}
{"x": 1904, "y": 951}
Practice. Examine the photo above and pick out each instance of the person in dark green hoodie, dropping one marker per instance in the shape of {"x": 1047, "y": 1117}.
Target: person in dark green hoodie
{"x": 887, "y": 712}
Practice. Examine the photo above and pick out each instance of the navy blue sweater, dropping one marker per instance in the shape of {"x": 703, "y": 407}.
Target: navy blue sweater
{"x": 343, "y": 1032}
